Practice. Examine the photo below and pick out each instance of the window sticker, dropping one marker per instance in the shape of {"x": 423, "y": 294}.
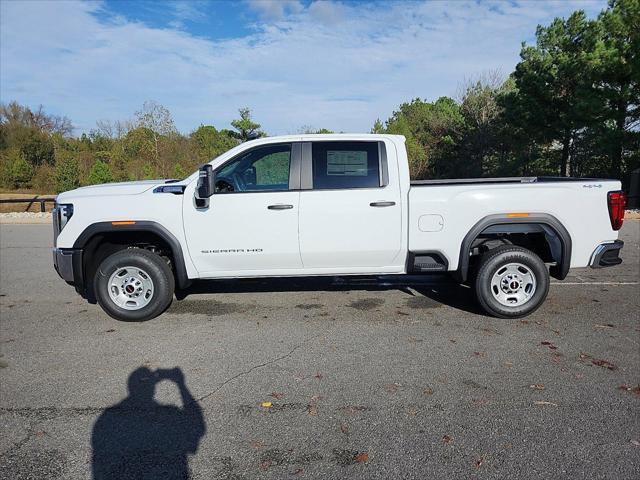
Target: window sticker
{"x": 347, "y": 163}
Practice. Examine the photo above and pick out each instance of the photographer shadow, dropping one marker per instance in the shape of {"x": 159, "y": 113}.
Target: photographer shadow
{"x": 141, "y": 438}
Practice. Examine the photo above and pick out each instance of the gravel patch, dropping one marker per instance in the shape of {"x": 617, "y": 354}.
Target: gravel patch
{"x": 25, "y": 217}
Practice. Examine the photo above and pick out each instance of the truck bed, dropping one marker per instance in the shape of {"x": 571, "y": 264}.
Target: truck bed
{"x": 439, "y": 218}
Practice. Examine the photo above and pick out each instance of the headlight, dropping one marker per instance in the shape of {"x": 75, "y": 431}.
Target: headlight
{"x": 65, "y": 212}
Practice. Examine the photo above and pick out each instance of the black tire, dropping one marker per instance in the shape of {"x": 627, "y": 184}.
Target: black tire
{"x": 494, "y": 260}
{"x": 157, "y": 270}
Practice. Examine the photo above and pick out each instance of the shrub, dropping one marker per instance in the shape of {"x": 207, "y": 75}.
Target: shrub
{"x": 100, "y": 173}
{"x": 67, "y": 174}
{"x": 15, "y": 171}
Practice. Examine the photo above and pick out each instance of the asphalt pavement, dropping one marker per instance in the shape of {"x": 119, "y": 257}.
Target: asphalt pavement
{"x": 330, "y": 378}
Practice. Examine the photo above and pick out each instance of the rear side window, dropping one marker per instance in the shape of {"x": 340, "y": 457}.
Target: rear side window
{"x": 345, "y": 165}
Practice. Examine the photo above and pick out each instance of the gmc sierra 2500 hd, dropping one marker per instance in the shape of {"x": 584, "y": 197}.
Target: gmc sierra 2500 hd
{"x": 330, "y": 205}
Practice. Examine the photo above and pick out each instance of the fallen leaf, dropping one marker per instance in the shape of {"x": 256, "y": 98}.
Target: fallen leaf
{"x": 312, "y": 410}
{"x": 344, "y": 428}
{"x": 427, "y": 391}
{"x": 265, "y": 465}
{"x": 542, "y": 402}
{"x": 412, "y": 411}
{"x": 508, "y": 364}
{"x": 277, "y": 395}
{"x": 353, "y": 409}
{"x": 257, "y": 444}
{"x": 452, "y": 340}
{"x": 266, "y": 404}
{"x": 537, "y": 386}
{"x": 447, "y": 439}
{"x": 362, "y": 457}
{"x": 318, "y": 376}
{"x": 608, "y": 325}
{"x": 110, "y": 330}
{"x": 40, "y": 433}
{"x": 604, "y": 363}
{"x": 628, "y": 388}
{"x": 479, "y": 462}
{"x": 549, "y": 344}
{"x": 480, "y": 354}
{"x": 392, "y": 387}
{"x": 584, "y": 356}
{"x": 635, "y": 442}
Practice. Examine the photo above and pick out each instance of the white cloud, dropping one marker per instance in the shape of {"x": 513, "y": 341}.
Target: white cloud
{"x": 337, "y": 66}
{"x": 186, "y": 11}
{"x": 275, "y": 9}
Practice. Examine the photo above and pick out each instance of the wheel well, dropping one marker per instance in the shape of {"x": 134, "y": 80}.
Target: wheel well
{"x": 544, "y": 235}
{"x": 535, "y": 242}
{"x": 101, "y": 245}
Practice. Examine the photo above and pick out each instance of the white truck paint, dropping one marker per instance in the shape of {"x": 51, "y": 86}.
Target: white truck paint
{"x": 294, "y": 228}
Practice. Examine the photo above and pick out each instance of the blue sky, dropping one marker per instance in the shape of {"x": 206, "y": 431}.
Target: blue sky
{"x": 296, "y": 63}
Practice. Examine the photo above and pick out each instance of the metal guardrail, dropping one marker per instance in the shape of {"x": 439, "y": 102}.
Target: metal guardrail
{"x": 30, "y": 201}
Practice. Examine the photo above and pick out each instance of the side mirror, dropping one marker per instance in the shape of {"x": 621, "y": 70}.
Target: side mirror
{"x": 206, "y": 186}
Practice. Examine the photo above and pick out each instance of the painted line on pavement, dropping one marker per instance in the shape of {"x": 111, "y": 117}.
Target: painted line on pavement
{"x": 595, "y": 283}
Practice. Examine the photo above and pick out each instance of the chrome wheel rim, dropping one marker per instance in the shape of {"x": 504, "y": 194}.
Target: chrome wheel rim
{"x": 130, "y": 288}
{"x": 513, "y": 284}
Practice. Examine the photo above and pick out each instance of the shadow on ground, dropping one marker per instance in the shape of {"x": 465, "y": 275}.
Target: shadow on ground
{"x": 439, "y": 288}
{"x": 141, "y": 438}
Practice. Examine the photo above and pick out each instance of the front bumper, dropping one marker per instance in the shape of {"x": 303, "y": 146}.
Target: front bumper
{"x": 68, "y": 264}
{"x": 606, "y": 255}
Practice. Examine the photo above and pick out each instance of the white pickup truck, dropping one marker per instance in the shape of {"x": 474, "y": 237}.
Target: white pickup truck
{"x": 309, "y": 205}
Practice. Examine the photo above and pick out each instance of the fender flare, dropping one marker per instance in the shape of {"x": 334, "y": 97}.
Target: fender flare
{"x": 141, "y": 226}
{"x": 543, "y": 219}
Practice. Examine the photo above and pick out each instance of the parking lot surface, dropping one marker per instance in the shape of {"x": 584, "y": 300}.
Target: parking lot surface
{"x": 329, "y": 378}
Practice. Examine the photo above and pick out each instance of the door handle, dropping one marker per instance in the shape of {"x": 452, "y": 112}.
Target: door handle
{"x": 280, "y": 206}
{"x": 382, "y": 204}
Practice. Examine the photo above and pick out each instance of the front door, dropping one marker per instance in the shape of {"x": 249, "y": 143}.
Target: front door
{"x": 251, "y": 224}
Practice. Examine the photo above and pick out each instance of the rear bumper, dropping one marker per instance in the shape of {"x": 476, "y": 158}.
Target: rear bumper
{"x": 607, "y": 255}
{"x": 68, "y": 264}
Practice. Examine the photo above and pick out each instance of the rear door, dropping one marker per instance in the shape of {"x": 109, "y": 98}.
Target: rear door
{"x": 350, "y": 211}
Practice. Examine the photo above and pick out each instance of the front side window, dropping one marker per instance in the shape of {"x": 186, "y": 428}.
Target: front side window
{"x": 345, "y": 165}
{"x": 261, "y": 169}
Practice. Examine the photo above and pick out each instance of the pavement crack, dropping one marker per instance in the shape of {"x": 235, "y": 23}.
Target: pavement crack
{"x": 21, "y": 443}
{"x": 255, "y": 367}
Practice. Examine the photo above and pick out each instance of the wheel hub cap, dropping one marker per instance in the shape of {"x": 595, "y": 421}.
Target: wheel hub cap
{"x": 130, "y": 288}
{"x": 513, "y": 284}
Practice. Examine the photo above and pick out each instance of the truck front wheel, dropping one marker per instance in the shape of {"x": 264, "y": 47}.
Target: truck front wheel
{"x": 511, "y": 282}
{"x": 134, "y": 285}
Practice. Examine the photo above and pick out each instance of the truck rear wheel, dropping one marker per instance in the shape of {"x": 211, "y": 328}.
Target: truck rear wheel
{"x": 511, "y": 282}
{"x": 134, "y": 285}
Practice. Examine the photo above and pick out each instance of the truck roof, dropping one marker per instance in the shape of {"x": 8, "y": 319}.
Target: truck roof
{"x": 325, "y": 136}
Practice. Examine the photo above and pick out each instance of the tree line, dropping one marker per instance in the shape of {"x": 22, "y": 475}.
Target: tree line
{"x": 570, "y": 108}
